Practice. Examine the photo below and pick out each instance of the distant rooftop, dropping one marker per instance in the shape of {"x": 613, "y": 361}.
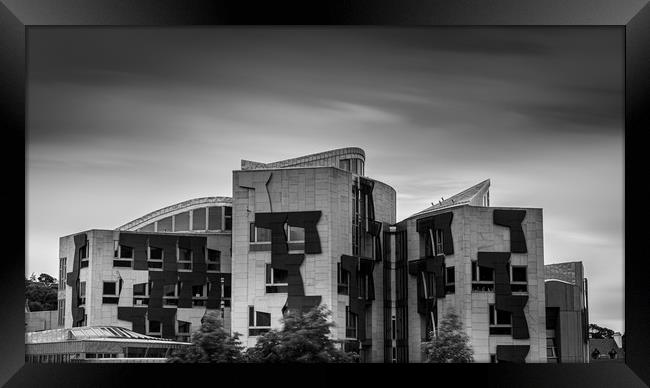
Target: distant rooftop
{"x": 326, "y": 158}
{"x": 94, "y": 333}
{"x": 471, "y": 196}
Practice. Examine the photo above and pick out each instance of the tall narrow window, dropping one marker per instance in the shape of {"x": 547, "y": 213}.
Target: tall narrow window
{"x": 439, "y": 245}
{"x": 198, "y": 219}
{"x": 83, "y": 256}
{"x": 519, "y": 276}
{"x": 500, "y": 321}
{"x": 227, "y": 217}
{"x": 343, "y": 280}
{"x": 213, "y": 260}
{"x": 82, "y": 293}
{"x": 214, "y": 218}
{"x": 182, "y": 222}
{"x": 450, "y": 280}
{"x": 350, "y": 323}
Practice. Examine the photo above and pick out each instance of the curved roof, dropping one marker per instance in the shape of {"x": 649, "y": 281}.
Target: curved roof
{"x": 307, "y": 159}
{"x": 174, "y": 209}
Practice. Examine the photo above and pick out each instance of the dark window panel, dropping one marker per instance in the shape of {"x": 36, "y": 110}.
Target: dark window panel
{"x": 519, "y": 274}
{"x": 263, "y": 319}
{"x": 182, "y": 221}
{"x": 198, "y": 219}
{"x": 251, "y": 316}
{"x": 110, "y": 288}
{"x": 126, "y": 252}
{"x": 155, "y": 253}
{"x": 140, "y": 289}
{"x": 228, "y": 211}
{"x": 165, "y": 225}
{"x": 214, "y": 218}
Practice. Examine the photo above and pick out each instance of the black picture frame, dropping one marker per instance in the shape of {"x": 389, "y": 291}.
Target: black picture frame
{"x": 17, "y": 16}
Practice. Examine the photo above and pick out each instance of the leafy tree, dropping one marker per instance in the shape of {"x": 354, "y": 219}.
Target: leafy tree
{"x": 303, "y": 338}
{"x": 451, "y": 344}
{"x": 210, "y": 344}
{"x": 600, "y": 332}
{"x": 41, "y": 292}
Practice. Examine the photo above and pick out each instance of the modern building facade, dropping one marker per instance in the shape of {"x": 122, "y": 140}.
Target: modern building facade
{"x": 567, "y": 318}
{"x": 157, "y": 275}
{"x": 316, "y": 230}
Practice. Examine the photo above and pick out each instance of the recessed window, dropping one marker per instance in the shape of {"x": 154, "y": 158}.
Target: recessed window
{"x": 170, "y": 294}
{"x": 259, "y": 235}
{"x": 227, "y": 218}
{"x": 109, "y": 293}
{"x": 500, "y": 321}
{"x": 82, "y": 293}
{"x": 184, "y": 327}
{"x": 362, "y": 283}
{"x": 276, "y": 279}
{"x": 519, "y": 276}
{"x": 296, "y": 234}
{"x": 184, "y": 259}
{"x": 551, "y": 350}
{"x": 343, "y": 280}
{"x": 439, "y": 239}
{"x": 154, "y": 328}
{"x": 155, "y": 257}
{"x": 428, "y": 284}
{"x": 258, "y": 322}
{"x": 482, "y": 278}
{"x": 141, "y": 293}
{"x": 122, "y": 255}
{"x": 83, "y": 256}
{"x": 213, "y": 260}
{"x": 450, "y": 280}
{"x": 351, "y": 323}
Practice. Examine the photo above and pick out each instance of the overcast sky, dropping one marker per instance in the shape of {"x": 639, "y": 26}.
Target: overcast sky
{"x": 122, "y": 122}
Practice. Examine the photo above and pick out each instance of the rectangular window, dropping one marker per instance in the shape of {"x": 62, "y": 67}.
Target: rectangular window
{"x": 154, "y": 328}
{"x": 350, "y": 323}
{"x": 83, "y": 256}
{"x": 482, "y": 278}
{"x": 184, "y": 259}
{"x": 183, "y": 331}
{"x": 258, "y": 322}
{"x": 141, "y": 294}
{"x": 276, "y": 280}
{"x": 450, "y": 280}
{"x": 82, "y": 293}
{"x": 199, "y": 295}
{"x": 182, "y": 222}
{"x": 551, "y": 350}
{"x": 519, "y": 276}
{"x": 439, "y": 240}
{"x": 170, "y": 294}
{"x": 227, "y": 217}
{"x": 344, "y": 164}
{"x": 296, "y": 234}
{"x": 213, "y": 260}
{"x": 198, "y": 219}
{"x": 109, "y": 293}
{"x": 214, "y": 218}
{"x": 155, "y": 258}
{"x": 110, "y": 288}
{"x": 259, "y": 235}
{"x": 500, "y": 321}
{"x": 343, "y": 280}
{"x": 165, "y": 225}
{"x": 123, "y": 255}
{"x": 428, "y": 284}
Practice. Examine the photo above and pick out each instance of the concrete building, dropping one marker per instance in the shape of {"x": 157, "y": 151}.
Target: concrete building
{"x": 485, "y": 263}
{"x": 315, "y": 230}
{"x": 308, "y": 231}
{"x": 157, "y": 275}
{"x": 567, "y": 319}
